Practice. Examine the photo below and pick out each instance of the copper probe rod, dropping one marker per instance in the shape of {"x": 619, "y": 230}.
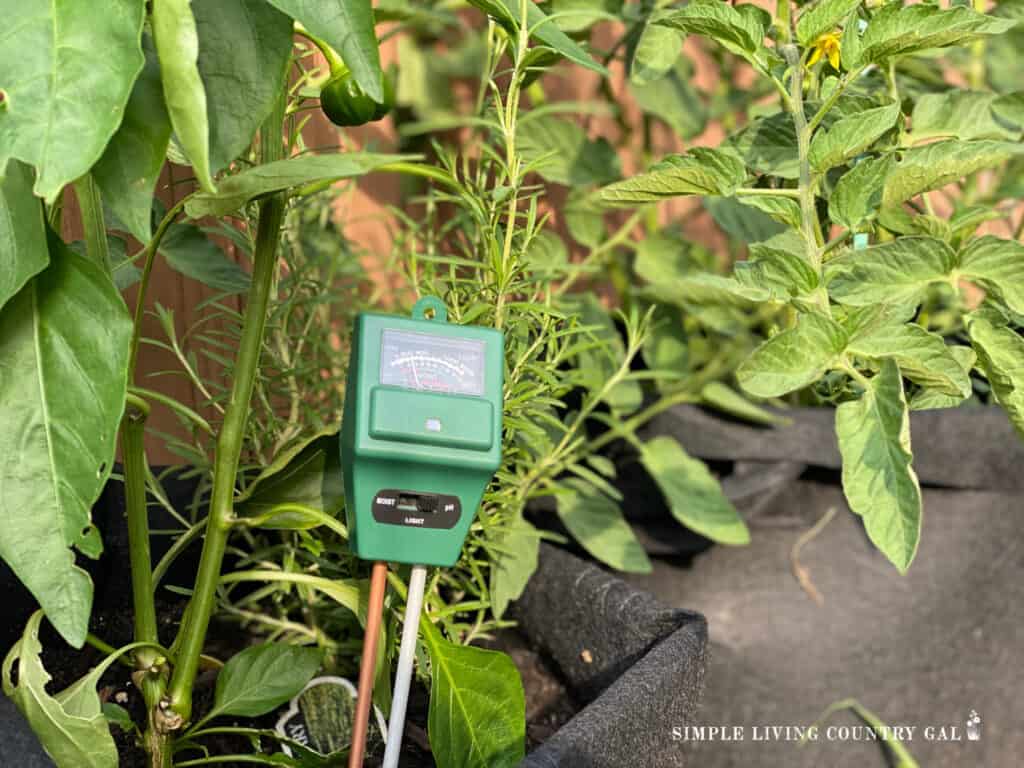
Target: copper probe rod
{"x": 368, "y": 664}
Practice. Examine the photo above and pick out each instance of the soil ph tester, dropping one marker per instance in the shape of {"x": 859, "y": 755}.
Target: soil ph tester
{"x": 420, "y": 440}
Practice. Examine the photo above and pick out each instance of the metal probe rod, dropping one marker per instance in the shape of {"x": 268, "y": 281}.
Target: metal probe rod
{"x": 368, "y": 663}
{"x": 406, "y": 655}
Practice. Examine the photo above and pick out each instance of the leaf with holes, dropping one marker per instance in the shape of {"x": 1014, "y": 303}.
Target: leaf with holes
{"x": 64, "y": 342}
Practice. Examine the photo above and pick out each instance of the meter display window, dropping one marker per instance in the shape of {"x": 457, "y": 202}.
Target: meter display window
{"x": 432, "y": 363}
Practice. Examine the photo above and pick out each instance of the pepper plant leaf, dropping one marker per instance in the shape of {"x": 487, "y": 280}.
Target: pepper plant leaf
{"x": 260, "y": 678}
{"x": 793, "y": 359}
{"x": 702, "y": 171}
{"x": 1001, "y": 356}
{"x": 850, "y": 136}
{"x": 923, "y": 357}
{"x": 879, "y": 482}
{"x": 70, "y": 726}
{"x": 477, "y": 715}
{"x": 130, "y": 166}
{"x": 189, "y": 251}
{"x": 889, "y": 273}
{"x": 177, "y": 45}
{"x": 597, "y": 523}
{"x": 898, "y": 30}
{"x": 235, "y": 191}
{"x": 932, "y": 166}
{"x": 346, "y": 26}
{"x": 998, "y": 265}
{"x": 67, "y": 73}
{"x": 64, "y": 342}
{"x": 692, "y": 492}
{"x": 308, "y": 473}
{"x": 23, "y": 251}
{"x": 244, "y": 51}
{"x": 821, "y": 18}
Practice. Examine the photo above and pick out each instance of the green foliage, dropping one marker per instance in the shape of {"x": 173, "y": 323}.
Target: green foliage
{"x": 830, "y": 156}
{"x": 22, "y": 231}
{"x": 71, "y": 726}
{"x": 68, "y": 318}
{"x": 477, "y": 709}
{"x": 259, "y": 679}
{"x": 58, "y": 111}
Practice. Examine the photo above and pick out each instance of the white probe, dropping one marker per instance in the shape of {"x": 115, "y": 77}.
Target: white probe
{"x": 406, "y": 656}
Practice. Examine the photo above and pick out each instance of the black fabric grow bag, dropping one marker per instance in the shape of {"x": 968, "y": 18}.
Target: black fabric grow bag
{"x": 924, "y": 649}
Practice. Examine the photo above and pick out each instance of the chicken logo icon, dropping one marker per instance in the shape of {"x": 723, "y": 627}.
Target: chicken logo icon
{"x": 973, "y": 726}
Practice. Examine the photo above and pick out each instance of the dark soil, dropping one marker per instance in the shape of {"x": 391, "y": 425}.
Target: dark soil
{"x": 549, "y": 705}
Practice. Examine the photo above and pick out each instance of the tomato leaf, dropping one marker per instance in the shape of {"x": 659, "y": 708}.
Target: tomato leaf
{"x": 596, "y": 522}
{"x": 964, "y": 115}
{"x": 64, "y": 343}
{"x": 740, "y": 31}
{"x": 898, "y": 30}
{"x": 1001, "y": 356}
{"x": 515, "y": 560}
{"x": 822, "y": 17}
{"x": 347, "y": 26}
{"x": 244, "y": 51}
{"x": 560, "y": 152}
{"x": 67, "y": 73}
{"x": 23, "y": 250}
{"x": 263, "y": 677}
{"x": 998, "y": 265}
{"x": 858, "y": 193}
{"x": 889, "y": 273}
{"x": 879, "y": 482}
{"x": 923, "y": 357}
{"x": 477, "y": 708}
{"x": 656, "y": 52}
{"x": 793, "y": 359}
{"x": 177, "y": 44}
{"x": 692, "y": 492}
{"x": 850, "y": 136}
{"x": 921, "y": 169}
{"x": 702, "y": 171}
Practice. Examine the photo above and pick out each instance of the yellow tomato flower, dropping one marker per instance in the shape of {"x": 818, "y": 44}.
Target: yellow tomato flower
{"x": 827, "y": 45}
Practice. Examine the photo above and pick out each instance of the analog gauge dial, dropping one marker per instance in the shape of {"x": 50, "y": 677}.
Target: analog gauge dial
{"x": 432, "y": 363}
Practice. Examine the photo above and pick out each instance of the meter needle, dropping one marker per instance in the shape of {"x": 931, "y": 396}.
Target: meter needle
{"x": 368, "y": 663}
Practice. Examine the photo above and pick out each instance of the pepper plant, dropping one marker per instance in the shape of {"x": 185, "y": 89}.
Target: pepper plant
{"x": 884, "y": 266}
{"x": 91, "y": 104}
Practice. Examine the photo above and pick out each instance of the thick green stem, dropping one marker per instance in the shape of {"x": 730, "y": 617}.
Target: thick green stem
{"x": 149, "y": 664}
{"x": 229, "y": 442}
{"x": 91, "y": 206}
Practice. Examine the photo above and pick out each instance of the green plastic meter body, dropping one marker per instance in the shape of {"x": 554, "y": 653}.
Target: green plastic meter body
{"x": 421, "y": 435}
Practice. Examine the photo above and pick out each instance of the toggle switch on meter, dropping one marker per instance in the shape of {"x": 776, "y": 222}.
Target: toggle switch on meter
{"x": 421, "y": 435}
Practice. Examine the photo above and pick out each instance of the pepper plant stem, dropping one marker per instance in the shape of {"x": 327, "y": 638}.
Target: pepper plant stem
{"x": 232, "y": 433}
